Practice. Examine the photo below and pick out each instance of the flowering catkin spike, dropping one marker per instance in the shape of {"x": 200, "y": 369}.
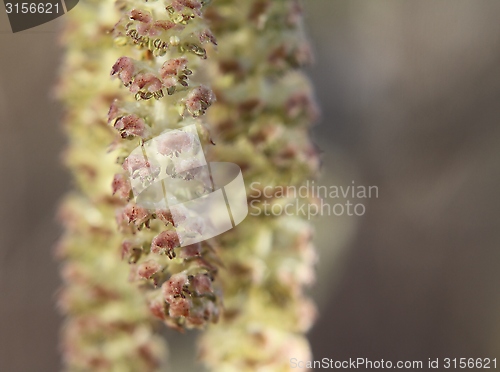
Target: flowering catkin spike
{"x": 144, "y": 74}
{"x": 113, "y": 247}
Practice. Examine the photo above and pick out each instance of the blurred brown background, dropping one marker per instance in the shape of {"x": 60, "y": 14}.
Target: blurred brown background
{"x": 410, "y": 93}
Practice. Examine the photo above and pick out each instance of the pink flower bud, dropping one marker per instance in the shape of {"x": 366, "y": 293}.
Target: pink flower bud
{"x": 140, "y": 15}
{"x": 199, "y": 100}
{"x": 134, "y": 162}
{"x": 174, "y": 287}
{"x": 113, "y": 111}
{"x": 124, "y": 67}
{"x": 164, "y": 243}
{"x": 301, "y": 103}
{"x": 199, "y": 316}
{"x": 139, "y": 167}
{"x": 179, "y": 307}
{"x": 160, "y": 25}
{"x": 148, "y": 269}
{"x": 170, "y": 69}
{"x": 207, "y": 36}
{"x": 144, "y": 18}
{"x": 195, "y": 319}
{"x": 175, "y": 142}
{"x": 126, "y": 249}
{"x": 143, "y": 29}
{"x": 135, "y": 214}
{"x": 121, "y": 186}
{"x": 202, "y": 284}
{"x": 157, "y": 308}
{"x": 165, "y": 216}
{"x": 194, "y": 5}
{"x": 147, "y": 81}
{"x": 192, "y": 250}
{"x": 131, "y": 125}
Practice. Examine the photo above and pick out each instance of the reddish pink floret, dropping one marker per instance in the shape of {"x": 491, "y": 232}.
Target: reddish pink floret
{"x": 199, "y": 99}
{"x": 124, "y": 68}
{"x": 165, "y": 216}
{"x": 158, "y": 26}
{"x": 171, "y": 69}
{"x": 174, "y": 287}
{"x": 192, "y": 250}
{"x": 157, "y": 308}
{"x": 121, "y": 186}
{"x": 135, "y": 162}
{"x": 147, "y": 269}
{"x": 174, "y": 143}
{"x": 147, "y": 81}
{"x": 194, "y": 5}
{"x": 179, "y": 307}
{"x": 165, "y": 242}
{"x": 202, "y": 284}
{"x": 113, "y": 111}
{"x": 131, "y": 125}
{"x": 207, "y": 36}
{"x": 140, "y": 15}
{"x": 139, "y": 167}
{"x": 301, "y": 103}
{"x": 135, "y": 214}
{"x": 126, "y": 249}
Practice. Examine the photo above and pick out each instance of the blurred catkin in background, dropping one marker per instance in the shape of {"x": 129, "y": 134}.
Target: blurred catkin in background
{"x": 124, "y": 264}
